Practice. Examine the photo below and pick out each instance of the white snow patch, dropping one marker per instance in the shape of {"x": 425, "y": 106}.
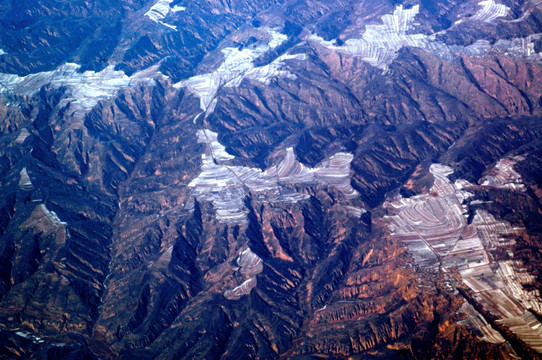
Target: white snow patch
{"x": 178, "y": 8}
{"x": 277, "y": 38}
{"x": 265, "y": 73}
{"x": 431, "y": 225}
{"x": 504, "y": 176}
{"x": 161, "y": 9}
{"x": 243, "y": 289}
{"x": 250, "y": 265}
{"x": 86, "y": 88}
{"x": 238, "y": 65}
{"x": 249, "y": 262}
{"x": 355, "y": 211}
{"x": 23, "y": 334}
{"x": 519, "y": 46}
{"x": 22, "y": 136}
{"x": 490, "y": 11}
{"x": 52, "y": 216}
{"x": 226, "y": 186}
{"x": 379, "y": 44}
{"x": 24, "y": 181}
{"x": 29, "y": 336}
{"x": 218, "y": 150}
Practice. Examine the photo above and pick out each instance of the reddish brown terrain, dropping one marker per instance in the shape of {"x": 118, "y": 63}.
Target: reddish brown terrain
{"x": 271, "y": 179}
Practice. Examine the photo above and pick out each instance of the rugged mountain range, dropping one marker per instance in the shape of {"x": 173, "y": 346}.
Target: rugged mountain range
{"x": 270, "y": 179}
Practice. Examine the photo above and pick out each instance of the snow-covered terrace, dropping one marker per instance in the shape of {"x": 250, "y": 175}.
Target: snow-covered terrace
{"x": 434, "y": 229}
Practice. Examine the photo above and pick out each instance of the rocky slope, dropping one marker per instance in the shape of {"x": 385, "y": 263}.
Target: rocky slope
{"x": 270, "y": 179}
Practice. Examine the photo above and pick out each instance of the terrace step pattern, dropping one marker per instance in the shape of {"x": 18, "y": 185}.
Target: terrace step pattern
{"x": 435, "y": 229}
